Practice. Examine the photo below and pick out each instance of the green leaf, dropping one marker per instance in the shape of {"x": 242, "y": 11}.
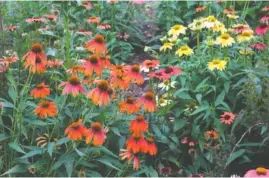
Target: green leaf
{"x": 200, "y": 109}
{"x": 202, "y": 84}
{"x": 38, "y": 122}
{"x": 62, "y": 141}
{"x": 107, "y": 163}
{"x": 179, "y": 124}
{"x": 51, "y": 148}
{"x": 183, "y": 95}
{"x": 3, "y": 136}
{"x": 115, "y": 130}
{"x": 235, "y": 155}
{"x": 12, "y": 94}
{"x": 15, "y": 146}
{"x": 199, "y": 98}
{"x": 69, "y": 167}
{"x": 16, "y": 169}
{"x": 32, "y": 153}
{"x": 220, "y": 98}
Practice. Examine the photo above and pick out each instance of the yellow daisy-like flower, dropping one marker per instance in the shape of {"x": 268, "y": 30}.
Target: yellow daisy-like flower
{"x": 232, "y": 16}
{"x": 173, "y": 39}
{"x": 176, "y": 30}
{"x": 219, "y": 27}
{"x": 196, "y": 25}
{"x": 163, "y": 39}
{"x": 246, "y": 35}
{"x": 246, "y": 52}
{"x": 217, "y": 64}
{"x": 166, "y": 46}
{"x": 225, "y": 40}
{"x": 210, "y": 22}
{"x": 184, "y": 50}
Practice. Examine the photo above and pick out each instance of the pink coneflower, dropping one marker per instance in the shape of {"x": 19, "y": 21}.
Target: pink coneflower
{"x": 191, "y": 143}
{"x": 10, "y": 59}
{"x": 84, "y": 32}
{"x": 35, "y": 19}
{"x": 73, "y": 86}
{"x": 104, "y": 26}
{"x": 266, "y": 8}
{"x": 51, "y": 17}
{"x": 130, "y": 156}
{"x": 148, "y": 102}
{"x": 262, "y": 29}
{"x": 165, "y": 170}
{"x": 138, "y": 1}
{"x": 123, "y": 36}
{"x": 196, "y": 175}
{"x": 184, "y": 140}
{"x": 91, "y": 65}
{"x": 149, "y": 65}
{"x": 86, "y": 4}
{"x": 133, "y": 74}
{"x": 170, "y": 71}
{"x": 239, "y": 28}
{"x": 258, "y": 46}
{"x": 227, "y": 118}
{"x": 265, "y": 19}
{"x": 54, "y": 63}
{"x": 12, "y": 28}
{"x": 259, "y": 172}
{"x": 46, "y": 28}
{"x": 75, "y": 69}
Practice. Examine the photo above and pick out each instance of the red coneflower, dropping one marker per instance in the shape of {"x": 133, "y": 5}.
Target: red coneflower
{"x": 55, "y": 63}
{"x": 73, "y": 86}
{"x": 104, "y": 26}
{"x": 227, "y": 118}
{"x": 40, "y": 91}
{"x": 130, "y": 156}
{"x": 117, "y": 81}
{"x": 239, "y": 28}
{"x": 94, "y": 19}
{"x": 51, "y": 17}
{"x": 265, "y": 19}
{"x": 35, "y": 19}
{"x": 134, "y": 75}
{"x": 157, "y": 75}
{"x": 92, "y": 64}
{"x": 262, "y": 29}
{"x": 118, "y": 70}
{"x": 84, "y": 32}
{"x": 151, "y": 147}
{"x": 86, "y": 4}
{"x": 148, "y": 102}
{"x": 136, "y": 144}
{"x": 97, "y": 45}
{"x": 211, "y": 134}
{"x": 96, "y": 134}
{"x": 75, "y": 69}
{"x": 101, "y": 94}
{"x": 35, "y": 59}
{"x": 46, "y": 108}
{"x": 76, "y": 130}
{"x": 258, "y": 46}
{"x": 138, "y": 125}
{"x": 149, "y": 65}
{"x": 258, "y": 172}
{"x": 129, "y": 106}
{"x": 168, "y": 72}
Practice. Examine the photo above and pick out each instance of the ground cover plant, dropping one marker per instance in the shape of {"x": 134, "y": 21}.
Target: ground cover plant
{"x": 134, "y": 88}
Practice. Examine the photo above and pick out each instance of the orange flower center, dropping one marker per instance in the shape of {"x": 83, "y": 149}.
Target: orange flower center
{"x": 74, "y": 80}
{"x": 135, "y": 68}
{"x": 168, "y": 70}
{"x": 261, "y": 171}
{"x": 119, "y": 67}
{"x": 139, "y": 118}
{"x": 75, "y": 125}
{"x": 150, "y": 140}
{"x": 45, "y": 104}
{"x": 103, "y": 85}
{"x": 130, "y": 100}
{"x": 40, "y": 86}
{"x": 246, "y": 33}
{"x": 36, "y": 48}
{"x": 37, "y": 60}
{"x": 97, "y": 126}
{"x": 99, "y": 39}
{"x": 93, "y": 59}
{"x": 225, "y": 36}
{"x": 149, "y": 96}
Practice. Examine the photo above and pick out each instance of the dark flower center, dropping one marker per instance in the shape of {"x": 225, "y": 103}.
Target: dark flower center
{"x": 74, "y": 81}
{"x": 36, "y": 48}
{"x": 135, "y": 68}
{"x": 97, "y": 126}
{"x": 103, "y": 85}
{"x": 37, "y": 60}
{"x": 168, "y": 70}
{"x": 130, "y": 100}
{"x": 149, "y": 96}
{"x": 99, "y": 39}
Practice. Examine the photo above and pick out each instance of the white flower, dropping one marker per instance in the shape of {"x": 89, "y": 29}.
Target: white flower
{"x": 234, "y": 176}
{"x": 166, "y": 85}
{"x": 163, "y": 101}
{"x": 80, "y": 48}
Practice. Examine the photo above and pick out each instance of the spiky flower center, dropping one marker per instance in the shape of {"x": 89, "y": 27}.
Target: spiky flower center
{"x": 150, "y": 140}
{"x": 261, "y": 171}
{"x": 96, "y": 126}
{"x": 99, "y": 39}
{"x": 103, "y": 85}
{"x": 227, "y": 117}
{"x": 45, "y": 104}
{"x": 74, "y": 80}
{"x": 246, "y": 33}
{"x": 93, "y": 59}
{"x": 225, "y": 36}
{"x": 139, "y": 118}
{"x": 38, "y": 60}
{"x": 149, "y": 96}
{"x": 130, "y": 100}
{"x": 135, "y": 68}
{"x": 168, "y": 70}
{"x": 36, "y": 48}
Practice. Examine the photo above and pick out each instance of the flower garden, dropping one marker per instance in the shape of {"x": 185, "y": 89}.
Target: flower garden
{"x": 134, "y": 88}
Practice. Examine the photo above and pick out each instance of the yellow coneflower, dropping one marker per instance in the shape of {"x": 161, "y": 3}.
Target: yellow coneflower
{"x": 176, "y": 30}
{"x": 196, "y": 25}
{"x": 246, "y": 35}
{"x": 217, "y": 64}
{"x": 232, "y": 16}
{"x": 246, "y": 52}
{"x": 184, "y": 51}
{"x": 166, "y": 46}
{"x": 225, "y": 40}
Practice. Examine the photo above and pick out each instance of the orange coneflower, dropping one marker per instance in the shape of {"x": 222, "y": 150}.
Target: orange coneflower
{"x": 138, "y": 125}
{"x": 105, "y": 61}
{"x": 73, "y": 86}
{"x": 97, "y": 45}
{"x": 134, "y": 75}
{"x": 129, "y": 106}
{"x": 88, "y": 80}
{"x": 229, "y": 11}
{"x": 86, "y": 4}
{"x": 9, "y": 60}
{"x": 96, "y": 134}
{"x": 136, "y": 144}
{"x": 211, "y": 134}
{"x": 75, "y": 69}
{"x": 35, "y": 19}
{"x": 200, "y": 8}
{"x": 117, "y": 81}
{"x": 35, "y": 59}
{"x": 118, "y": 70}
{"x": 227, "y": 118}
{"x": 55, "y": 63}
{"x": 84, "y": 32}
{"x": 92, "y": 64}
{"x": 94, "y": 19}
{"x": 147, "y": 100}
{"x": 129, "y": 155}
{"x": 51, "y": 17}
{"x": 101, "y": 94}
{"x": 40, "y": 91}
{"x": 151, "y": 147}
{"x": 149, "y": 65}
{"x": 46, "y": 108}
{"x": 76, "y": 130}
